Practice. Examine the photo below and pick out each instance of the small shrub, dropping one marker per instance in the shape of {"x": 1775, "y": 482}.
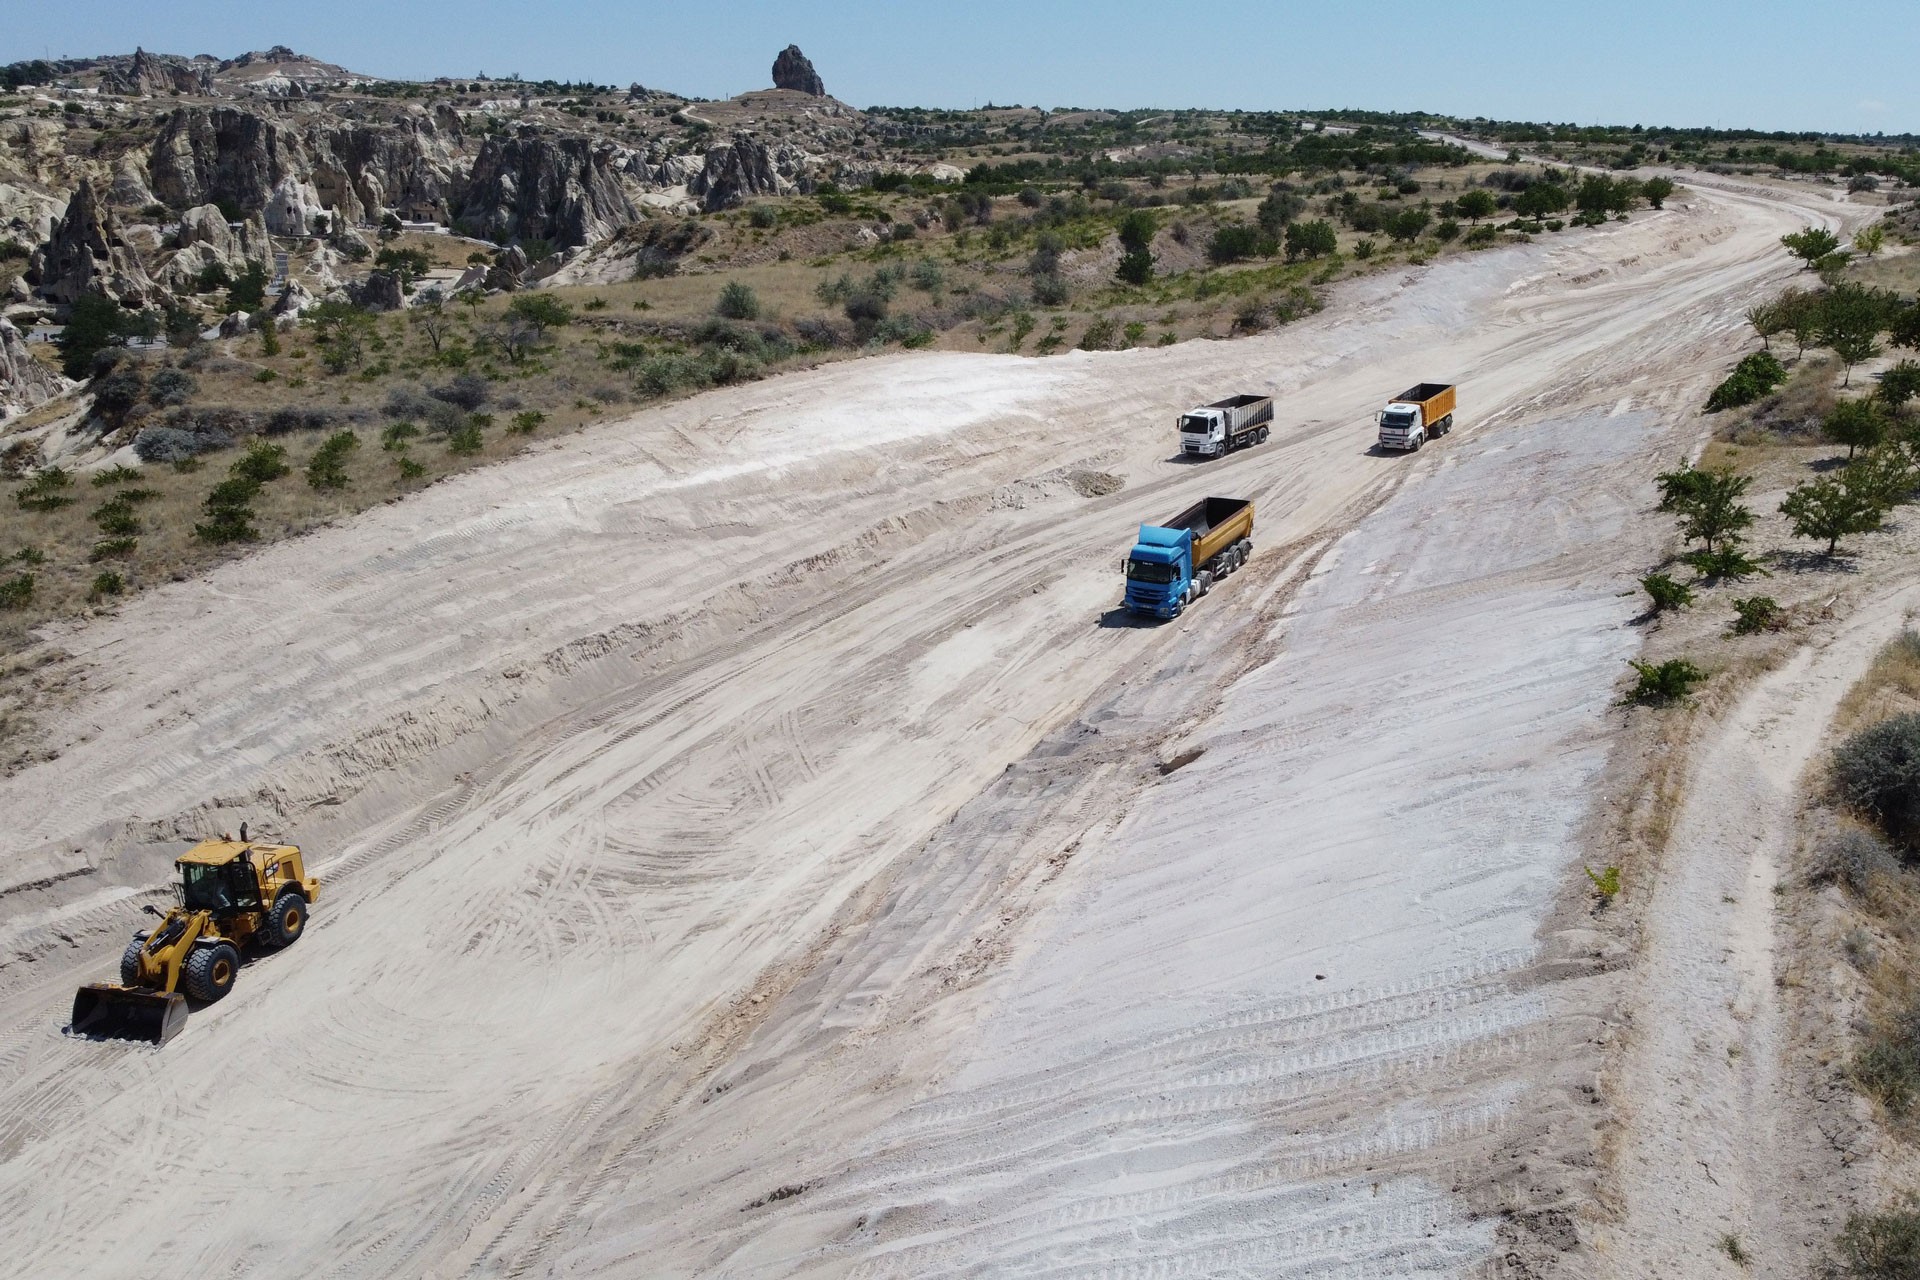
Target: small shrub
{"x": 1735, "y": 1251}
{"x": 1665, "y": 593}
{"x": 1134, "y": 332}
{"x": 1876, "y": 773}
{"x": 1100, "y": 334}
{"x": 1850, "y": 857}
{"x": 737, "y": 302}
{"x": 1606, "y": 883}
{"x": 410, "y": 469}
{"x": 1727, "y": 564}
{"x": 16, "y": 592}
{"x": 1660, "y": 684}
{"x": 116, "y": 518}
{"x": 1757, "y": 613}
{"x": 115, "y": 475}
{"x": 112, "y": 548}
{"x": 47, "y": 491}
{"x": 394, "y": 438}
{"x": 1756, "y": 376}
{"x": 1881, "y": 1246}
{"x": 327, "y": 469}
{"x": 527, "y": 422}
{"x": 467, "y": 391}
{"x": 1480, "y": 237}
{"x": 106, "y": 583}
{"x": 261, "y": 463}
{"x": 466, "y": 441}
{"x": 1888, "y": 1064}
{"x": 171, "y": 386}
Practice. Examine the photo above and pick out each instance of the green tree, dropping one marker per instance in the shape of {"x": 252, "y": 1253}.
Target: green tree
{"x": 1713, "y": 512}
{"x": 1810, "y": 244}
{"x": 1136, "y": 241}
{"x": 1311, "y": 240}
{"x": 1832, "y": 509}
{"x": 1870, "y": 240}
{"x": 1278, "y": 210}
{"x": 1541, "y": 200}
{"x": 1857, "y": 424}
{"x": 93, "y": 324}
{"x": 1408, "y": 224}
{"x": 1236, "y": 243}
{"x": 1850, "y": 326}
{"x": 407, "y": 264}
{"x": 1899, "y": 385}
{"x": 541, "y": 310}
{"x": 249, "y": 291}
{"x": 1767, "y": 319}
{"x": 1656, "y": 190}
{"x": 1475, "y": 204}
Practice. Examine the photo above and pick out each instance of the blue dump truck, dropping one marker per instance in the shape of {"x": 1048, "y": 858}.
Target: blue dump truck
{"x": 1175, "y": 563}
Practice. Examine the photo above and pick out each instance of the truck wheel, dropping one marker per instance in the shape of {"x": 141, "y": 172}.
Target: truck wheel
{"x": 1446, "y": 424}
{"x": 1261, "y": 436}
{"x": 286, "y": 921}
{"x": 1414, "y": 446}
{"x": 130, "y": 960}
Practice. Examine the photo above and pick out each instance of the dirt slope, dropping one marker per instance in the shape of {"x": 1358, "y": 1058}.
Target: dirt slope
{"x": 746, "y": 803}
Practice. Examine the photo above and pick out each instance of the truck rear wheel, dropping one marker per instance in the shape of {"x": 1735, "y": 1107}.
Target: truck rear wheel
{"x": 210, "y": 971}
{"x": 1260, "y": 436}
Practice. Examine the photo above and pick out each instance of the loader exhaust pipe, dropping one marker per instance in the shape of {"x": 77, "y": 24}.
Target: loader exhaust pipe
{"x": 105, "y": 1012}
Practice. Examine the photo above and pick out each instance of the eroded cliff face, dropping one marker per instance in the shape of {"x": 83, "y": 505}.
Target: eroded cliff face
{"x": 248, "y": 160}
{"x": 87, "y": 254}
{"x": 565, "y": 189}
{"x": 24, "y": 381}
{"x": 750, "y": 167}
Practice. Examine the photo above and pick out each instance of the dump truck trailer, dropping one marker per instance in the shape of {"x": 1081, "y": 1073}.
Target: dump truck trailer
{"x": 1421, "y": 413}
{"x": 1174, "y": 564}
{"x": 1214, "y": 430}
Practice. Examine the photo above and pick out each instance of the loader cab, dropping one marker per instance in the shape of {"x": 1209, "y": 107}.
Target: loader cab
{"x": 219, "y": 876}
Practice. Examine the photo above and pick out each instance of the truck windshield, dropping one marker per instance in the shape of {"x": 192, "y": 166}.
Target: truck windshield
{"x": 205, "y": 888}
{"x": 1194, "y": 424}
{"x": 1396, "y": 418}
{"x": 221, "y": 888}
{"x": 1144, "y": 571}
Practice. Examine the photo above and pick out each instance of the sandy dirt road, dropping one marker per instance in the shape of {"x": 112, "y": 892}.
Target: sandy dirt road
{"x": 743, "y": 854}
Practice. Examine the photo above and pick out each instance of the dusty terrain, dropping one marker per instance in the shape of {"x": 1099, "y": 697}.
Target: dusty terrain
{"x": 745, "y": 854}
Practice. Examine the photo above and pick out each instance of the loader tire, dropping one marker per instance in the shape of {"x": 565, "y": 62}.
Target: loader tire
{"x": 210, "y": 971}
{"x": 286, "y": 922}
{"x": 130, "y": 960}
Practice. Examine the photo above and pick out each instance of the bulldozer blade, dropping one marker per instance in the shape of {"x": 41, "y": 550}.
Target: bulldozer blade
{"x": 128, "y": 1013}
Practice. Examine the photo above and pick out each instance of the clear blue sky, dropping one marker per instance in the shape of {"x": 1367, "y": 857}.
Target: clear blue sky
{"x": 1769, "y": 64}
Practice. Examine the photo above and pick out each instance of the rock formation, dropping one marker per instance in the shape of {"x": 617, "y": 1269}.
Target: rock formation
{"x": 148, "y": 73}
{"x": 749, "y": 167}
{"x": 206, "y": 240}
{"x": 567, "y": 189}
{"x": 24, "y": 381}
{"x": 86, "y": 254}
{"x": 352, "y": 170}
{"x": 791, "y": 70}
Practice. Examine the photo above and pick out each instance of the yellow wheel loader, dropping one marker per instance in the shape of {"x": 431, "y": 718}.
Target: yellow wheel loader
{"x": 232, "y": 893}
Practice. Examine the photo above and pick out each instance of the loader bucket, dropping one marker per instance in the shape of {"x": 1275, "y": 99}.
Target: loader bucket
{"x": 128, "y": 1013}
